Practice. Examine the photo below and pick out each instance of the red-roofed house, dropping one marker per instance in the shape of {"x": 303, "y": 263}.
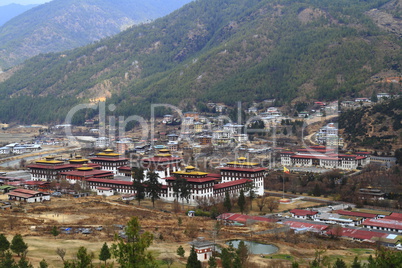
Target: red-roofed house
{"x": 29, "y": 196}
{"x": 303, "y": 213}
{"x": 383, "y": 224}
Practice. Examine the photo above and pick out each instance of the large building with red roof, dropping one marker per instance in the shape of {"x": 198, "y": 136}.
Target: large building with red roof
{"x": 49, "y": 168}
{"x": 233, "y": 178}
{"x": 242, "y": 169}
{"x": 109, "y": 160}
{"x": 324, "y": 158}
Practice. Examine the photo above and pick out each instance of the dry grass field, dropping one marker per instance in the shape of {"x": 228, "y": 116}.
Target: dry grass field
{"x": 35, "y": 221}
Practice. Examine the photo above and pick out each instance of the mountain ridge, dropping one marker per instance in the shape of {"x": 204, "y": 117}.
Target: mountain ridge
{"x": 65, "y": 24}
{"x": 216, "y": 51}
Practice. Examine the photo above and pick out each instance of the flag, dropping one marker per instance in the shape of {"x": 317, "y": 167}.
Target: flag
{"x": 286, "y": 170}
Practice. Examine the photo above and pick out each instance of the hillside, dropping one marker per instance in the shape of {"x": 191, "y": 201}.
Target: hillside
{"x": 378, "y": 127}
{"x": 216, "y": 51}
{"x": 65, "y": 24}
{"x": 8, "y": 12}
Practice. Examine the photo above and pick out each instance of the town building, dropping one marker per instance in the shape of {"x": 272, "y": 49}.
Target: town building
{"x": 28, "y": 196}
{"x": 109, "y": 160}
{"x": 84, "y": 172}
{"x": 48, "y": 169}
{"x": 242, "y": 169}
{"x": 323, "y": 158}
{"x": 163, "y": 163}
{"x": 303, "y": 213}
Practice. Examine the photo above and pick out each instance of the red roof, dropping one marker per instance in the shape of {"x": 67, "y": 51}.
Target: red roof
{"x": 359, "y": 234}
{"x": 104, "y": 188}
{"x": 36, "y": 182}
{"x": 303, "y": 212}
{"x": 63, "y": 166}
{"x": 110, "y": 181}
{"x": 231, "y": 183}
{"x": 125, "y": 168}
{"x": 298, "y": 225}
{"x": 355, "y": 213}
{"x": 386, "y": 223}
{"x": 87, "y": 173}
{"x": 394, "y": 216}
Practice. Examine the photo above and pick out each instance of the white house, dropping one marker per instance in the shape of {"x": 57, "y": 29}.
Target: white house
{"x": 28, "y": 196}
{"x": 106, "y": 191}
{"x": 203, "y": 248}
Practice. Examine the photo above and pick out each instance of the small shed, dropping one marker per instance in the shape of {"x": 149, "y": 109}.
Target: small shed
{"x": 106, "y": 191}
{"x": 203, "y": 248}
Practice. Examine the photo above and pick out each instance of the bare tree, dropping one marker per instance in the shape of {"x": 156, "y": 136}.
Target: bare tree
{"x": 261, "y": 202}
{"x": 272, "y": 203}
{"x": 61, "y": 252}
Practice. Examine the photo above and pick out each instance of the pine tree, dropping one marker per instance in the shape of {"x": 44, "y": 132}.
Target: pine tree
{"x": 18, "y": 245}
{"x": 242, "y": 252}
{"x": 55, "y": 231}
{"x": 8, "y": 260}
{"x": 43, "y": 264}
{"x": 227, "y": 202}
{"x": 4, "y": 244}
{"x": 340, "y": 263}
{"x": 153, "y": 186}
{"x": 212, "y": 262}
{"x": 104, "y": 254}
{"x": 133, "y": 249}
{"x": 138, "y": 179}
{"x": 241, "y": 201}
{"x": 356, "y": 263}
{"x": 192, "y": 261}
{"x": 180, "y": 251}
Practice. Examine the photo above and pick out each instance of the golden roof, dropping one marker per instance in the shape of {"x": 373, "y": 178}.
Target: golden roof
{"x": 190, "y": 170}
{"x": 164, "y": 155}
{"x": 243, "y": 163}
{"x": 84, "y": 167}
{"x": 49, "y": 160}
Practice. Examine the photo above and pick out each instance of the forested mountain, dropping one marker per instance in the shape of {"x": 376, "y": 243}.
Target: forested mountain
{"x": 378, "y": 127}
{"x": 65, "y": 24}
{"x": 8, "y": 12}
{"x": 218, "y": 51}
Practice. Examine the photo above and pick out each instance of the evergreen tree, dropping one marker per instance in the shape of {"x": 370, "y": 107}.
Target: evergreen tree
{"x": 243, "y": 253}
{"x": 43, "y": 264}
{"x": 134, "y": 250}
{"x": 227, "y": 258}
{"x": 212, "y": 262}
{"x": 241, "y": 201}
{"x": 356, "y": 263}
{"x": 8, "y": 261}
{"x": 192, "y": 261}
{"x": 180, "y": 251}
{"x": 153, "y": 186}
{"x": 55, "y": 231}
{"x": 227, "y": 202}
{"x": 23, "y": 263}
{"x": 340, "y": 263}
{"x": 104, "y": 254}
{"x": 182, "y": 189}
{"x": 295, "y": 264}
{"x": 4, "y": 244}
{"x": 138, "y": 184}
{"x": 18, "y": 245}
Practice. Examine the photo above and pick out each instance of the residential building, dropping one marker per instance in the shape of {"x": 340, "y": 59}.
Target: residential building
{"x": 28, "y": 196}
